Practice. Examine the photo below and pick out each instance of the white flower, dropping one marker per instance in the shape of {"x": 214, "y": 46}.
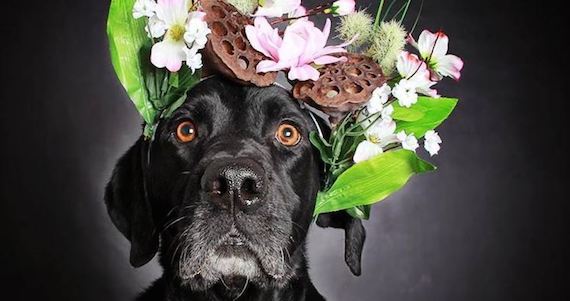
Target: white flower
{"x": 156, "y": 28}
{"x": 196, "y": 30}
{"x": 378, "y": 136}
{"x": 415, "y": 71}
{"x": 405, "y": 92}
{"x": 381, "y": 131}
{"x": 379, "y": 97}
{"x": 144, "y": 8}
{"x": 182, "y": 33}
{"x": 366, "y": 150}
{"x": 169, "y": 54}
{"x": 433, "y": 48}
{"x": 432, "y": 142}
{"x": 276, "y": 8}
{"x": 193, "y": 58}
{"x": 343, "y": 7}
{"x": 387, "y": 112}
{"x": 409, "y": 142}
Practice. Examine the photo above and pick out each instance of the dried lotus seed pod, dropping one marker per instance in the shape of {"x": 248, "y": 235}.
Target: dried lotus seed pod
{"x": 343, "y": 86}
{"x": 228, "y": 50}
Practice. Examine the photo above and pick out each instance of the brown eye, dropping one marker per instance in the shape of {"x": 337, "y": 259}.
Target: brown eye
{"x": 186, "y": 131}
{"x": 288, "y": 134}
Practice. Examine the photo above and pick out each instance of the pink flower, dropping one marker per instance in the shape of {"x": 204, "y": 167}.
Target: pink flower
{"x": 415, "y": 71}
{"x": 343, "y": 7}
{"x": 299, "y": 12}
{"x": 433, "y": 48}
{"x": 301, "y": 45}
{"x": 264, "y": 38}
{"x": 277, "y": 8}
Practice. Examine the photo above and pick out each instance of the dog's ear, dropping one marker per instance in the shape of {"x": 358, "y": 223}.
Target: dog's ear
{"x": 129, "y": 207}
{"x": 354, "y": 236}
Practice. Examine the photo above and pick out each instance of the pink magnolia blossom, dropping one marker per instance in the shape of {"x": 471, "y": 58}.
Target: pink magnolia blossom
{"x": 300, "y": 11}
{"x": 302, "y": 45}
{"x": 433, "y": 49}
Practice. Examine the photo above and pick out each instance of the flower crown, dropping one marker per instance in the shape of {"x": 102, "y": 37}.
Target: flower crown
{"x": 377, "y": 97}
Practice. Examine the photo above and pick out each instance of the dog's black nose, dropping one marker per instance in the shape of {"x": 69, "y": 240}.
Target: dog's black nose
{"x": 237, "y": 184}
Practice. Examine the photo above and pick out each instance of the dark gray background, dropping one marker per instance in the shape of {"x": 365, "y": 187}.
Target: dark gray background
{"x": 489, "y": 225}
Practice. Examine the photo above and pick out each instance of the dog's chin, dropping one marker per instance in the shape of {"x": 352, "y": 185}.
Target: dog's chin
{"x": 234, "y": 261}
{"x": 232, "y": 266}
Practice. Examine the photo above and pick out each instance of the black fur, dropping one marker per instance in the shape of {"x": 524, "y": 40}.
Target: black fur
{"x": 241, "y": 241}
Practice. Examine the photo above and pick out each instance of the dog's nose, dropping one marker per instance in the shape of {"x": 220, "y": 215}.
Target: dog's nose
{"x": 237, "y": 184}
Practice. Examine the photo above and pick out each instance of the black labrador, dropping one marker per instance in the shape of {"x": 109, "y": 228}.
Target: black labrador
{"x": 225, "y": 193}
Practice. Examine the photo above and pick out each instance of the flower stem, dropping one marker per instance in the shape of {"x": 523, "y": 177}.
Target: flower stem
{"x": 378, "y": 13}
{"x": 281, "y": 20}
{"x": 311, "y": 12}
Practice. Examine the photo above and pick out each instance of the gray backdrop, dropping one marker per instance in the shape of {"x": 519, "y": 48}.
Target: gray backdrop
{"x": 488, "y": 225}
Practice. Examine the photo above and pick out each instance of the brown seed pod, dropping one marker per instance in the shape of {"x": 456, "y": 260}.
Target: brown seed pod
{"x": 228, "y": 50}
{"x": 342, "y": 87}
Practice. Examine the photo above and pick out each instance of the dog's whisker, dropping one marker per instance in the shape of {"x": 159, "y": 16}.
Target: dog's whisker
{"x": 179, "y": 242}
{"x": 174, "y": 222}
{"x": 222, "y": 280}
{"x": 171, "y": 210}
{"x": 299, "y": 226}
{"x": 288, "y": 254}
{"x": 244, "y": 288}
{"x": 283, "y": 258}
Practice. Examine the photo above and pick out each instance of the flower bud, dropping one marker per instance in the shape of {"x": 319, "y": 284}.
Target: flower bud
{"x": 343, "y": 7}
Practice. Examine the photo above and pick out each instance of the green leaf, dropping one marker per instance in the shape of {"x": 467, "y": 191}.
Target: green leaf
{"x": 174, "y": 80}
{"x": 361, "y": 212}
{"x": 170, "y": 109}
{"x": 413, "y": 113}
{"x": 319, "y": 144}
{"x": 126, "y": 38}
{"x": 186, "y": 80}
{"x": 378, "y": 13}
{"x": 427, "y": 114}
{"x": 371, "y": 181}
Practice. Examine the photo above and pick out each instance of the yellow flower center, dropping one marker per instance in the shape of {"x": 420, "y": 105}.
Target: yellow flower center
{"x": 176, "y": 32}
{"x": 374, "y": 139}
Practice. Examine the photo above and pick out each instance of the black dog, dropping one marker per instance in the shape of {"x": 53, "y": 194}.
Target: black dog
{"x": 228, "y": 187}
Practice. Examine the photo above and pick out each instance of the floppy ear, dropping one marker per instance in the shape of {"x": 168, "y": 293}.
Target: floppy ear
{"x": 354, "y": 236}
{"x": 129, "y": 207}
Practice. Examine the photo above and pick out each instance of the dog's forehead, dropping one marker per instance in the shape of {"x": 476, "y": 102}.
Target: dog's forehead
{"x": 220, "y": 102}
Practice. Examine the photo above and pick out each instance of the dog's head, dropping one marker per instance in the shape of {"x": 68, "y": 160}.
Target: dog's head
{"x": 228, "y": 185}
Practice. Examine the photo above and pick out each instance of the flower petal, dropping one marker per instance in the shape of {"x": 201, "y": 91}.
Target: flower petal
{"x": 328, "y": 59}
{"x": 450, "y": 65}
{"x": 366, "y": 150}
{"x": 441, "y": 45}
{"x": 303, "y": 73}
{"x": 268, "y": 66}
{"x": 169, "y": 54}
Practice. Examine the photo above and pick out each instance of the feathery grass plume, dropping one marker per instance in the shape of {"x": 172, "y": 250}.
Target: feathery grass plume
{"x": 358, "y": 23}
{"x": 387, "y": 43}
{"x": 246, "y": 7}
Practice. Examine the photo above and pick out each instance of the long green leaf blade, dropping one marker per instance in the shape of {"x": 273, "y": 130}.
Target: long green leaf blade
{"x": 371, "y": 181}
{"x": 126, "y": 38}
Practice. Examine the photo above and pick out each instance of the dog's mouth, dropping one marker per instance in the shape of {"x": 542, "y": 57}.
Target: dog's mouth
{"x": 234, "y": 258}
{"x": 231, "y": 260}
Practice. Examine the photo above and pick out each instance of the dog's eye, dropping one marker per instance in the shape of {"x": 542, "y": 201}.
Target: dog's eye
{"x": 287, "y": 134}
{"x": 186, "y": 131}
